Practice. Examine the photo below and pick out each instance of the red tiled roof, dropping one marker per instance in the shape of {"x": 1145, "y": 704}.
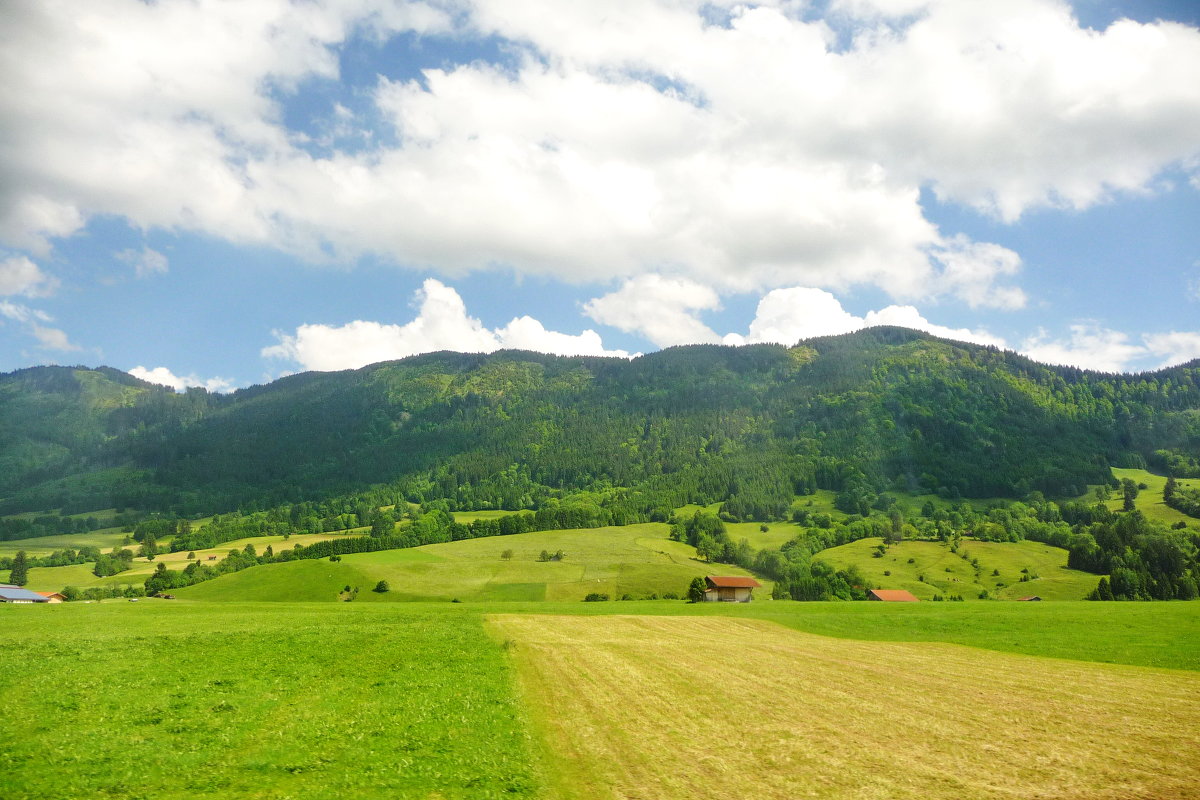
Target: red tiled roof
{"x": 893, "y": 595}
{"x": 732, "y": 582}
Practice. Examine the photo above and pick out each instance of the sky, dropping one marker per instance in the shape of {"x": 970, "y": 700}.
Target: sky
{"x": 218, "y": 193}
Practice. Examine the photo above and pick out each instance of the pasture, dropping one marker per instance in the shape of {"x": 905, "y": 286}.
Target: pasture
{"x": 634, "y": 560}
{"x": 81, "y": 576}
{"x": 929, "y": 568}
{"x": 178, "y": 699}
{"x": 742, "y": 708}
{"x": 1150, "y": 500}
{"x": 174, "y": 700}
{"x": 105, "y": 539}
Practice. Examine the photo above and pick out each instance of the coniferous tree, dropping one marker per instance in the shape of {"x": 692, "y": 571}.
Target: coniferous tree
{"x": 19, "y": 576}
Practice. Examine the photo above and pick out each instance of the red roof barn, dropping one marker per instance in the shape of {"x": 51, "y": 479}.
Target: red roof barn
{"x": 891, "y": 596}
{"x": 730, "y": 589}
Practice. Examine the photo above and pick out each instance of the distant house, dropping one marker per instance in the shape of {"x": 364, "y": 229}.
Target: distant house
{"x": 15, "y": 594}
{"x": 1027, "y": 599}
{"x": 731, "y": 589}
{"x": 891, "y": 596}
{"x": 53, "y": 597}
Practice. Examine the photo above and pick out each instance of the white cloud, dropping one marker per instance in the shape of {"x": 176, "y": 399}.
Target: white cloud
{"x": 165, "y": 377}
{"x": 1089, "y": 346}
{"x": 971, "y": 270}
{"x": 21, "y": 313}
{"x": 52, "y": 338}
{"x": 442, "y": 323}
{"x": 145, "y": 261}
{"x": 785, "y": 316}
{"x": 1175, "y": 347}
{"x": 661, "y": 309}
{"x": 20, "y": 276}
{"x": 630, "y": 137}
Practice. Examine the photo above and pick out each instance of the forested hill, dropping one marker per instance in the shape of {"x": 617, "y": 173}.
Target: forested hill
{"x": 880, "y": 408}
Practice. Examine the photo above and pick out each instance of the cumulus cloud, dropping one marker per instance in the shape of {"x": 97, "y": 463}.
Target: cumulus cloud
{"x": 750, "y": 150}
{"x": 1089, "y": 346}
{"x": 145, "y": 262}
{"x": 785, "y": 316}
{"x": 1174, "y": 347}
{"x": 165, "y": 377}
{"x": 442, "y": 323}
{"x": 20, "y": 276}
{"x": 661, "y": 309}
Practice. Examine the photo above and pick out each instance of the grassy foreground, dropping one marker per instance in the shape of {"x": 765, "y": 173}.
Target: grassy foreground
{"x": 161, "y": 700}
{"x": 741, "y": 708}
{"x": 178, "y": 699}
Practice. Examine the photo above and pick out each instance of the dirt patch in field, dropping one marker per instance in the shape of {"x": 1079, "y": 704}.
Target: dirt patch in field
{"x": 683, "y": 707}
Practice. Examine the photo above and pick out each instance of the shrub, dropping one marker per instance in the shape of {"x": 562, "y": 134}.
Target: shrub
{"x": 595, "y": 597}
{"x": 670, "y": 596}
{"x": 382, "y": 587}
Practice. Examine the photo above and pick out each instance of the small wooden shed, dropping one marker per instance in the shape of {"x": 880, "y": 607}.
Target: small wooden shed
{"x": 1032, "y": 597}
{"x": 891, "y": 596}
{"x": 729, "y": 589}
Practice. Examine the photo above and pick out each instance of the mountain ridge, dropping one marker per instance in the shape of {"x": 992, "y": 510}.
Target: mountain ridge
{"x": 882, "y": 406}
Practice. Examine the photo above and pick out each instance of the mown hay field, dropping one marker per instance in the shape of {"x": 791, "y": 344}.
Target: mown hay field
{"x": 682, "y": 707}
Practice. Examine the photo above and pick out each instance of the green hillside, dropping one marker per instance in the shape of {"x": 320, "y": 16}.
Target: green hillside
{"x": 747, "y": 426}
{"x": 930, "y": 568}
{"x": 636, "y": 560}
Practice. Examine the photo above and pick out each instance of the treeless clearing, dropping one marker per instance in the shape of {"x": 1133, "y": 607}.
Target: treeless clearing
{"x": 675, "y": 707}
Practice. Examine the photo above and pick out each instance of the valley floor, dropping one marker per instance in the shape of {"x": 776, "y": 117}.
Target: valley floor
{"x": 179, "y": 699}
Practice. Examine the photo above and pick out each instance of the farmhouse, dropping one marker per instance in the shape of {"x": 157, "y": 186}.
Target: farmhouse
{"x": 731, "y": 589}
{"x": 53, "y": 597}
{"x": 891, "y": 596}
{"x": 15, "y": 594}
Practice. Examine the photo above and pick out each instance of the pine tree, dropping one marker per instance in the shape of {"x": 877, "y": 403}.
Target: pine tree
{"x": 1169, "y": 490}
{"x": 19, "y": 576}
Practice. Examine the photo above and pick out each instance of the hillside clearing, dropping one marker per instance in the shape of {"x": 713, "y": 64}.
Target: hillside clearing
{"x": 744, "y": 708}
{"x": 929, "y": 568}
{"x": 634, "y": 560}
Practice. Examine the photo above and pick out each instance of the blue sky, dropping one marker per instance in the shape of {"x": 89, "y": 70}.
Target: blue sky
{"x": 214, "y": 193}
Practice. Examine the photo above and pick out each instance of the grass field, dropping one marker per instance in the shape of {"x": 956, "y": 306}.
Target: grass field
{"x": 45, "y": 579}
{"x": 948, "y": 573}
{"x": 742, "y": 708}
{"x": 635, "y": 560}
{"x": 105, "y": 539}
{"x": 1149, "y": 500}
{"x": 175, "y": 700}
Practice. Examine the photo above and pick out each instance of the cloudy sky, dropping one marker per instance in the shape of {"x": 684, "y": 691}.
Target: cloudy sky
{"x": 216, "y": 193}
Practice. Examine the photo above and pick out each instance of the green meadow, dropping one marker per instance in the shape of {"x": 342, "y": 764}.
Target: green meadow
{"x": 105, "y": 539}
{"x": 178, "y": 699}
{"x": 635, "y": 560}
{"x": 1150, "y": 500}
{"x": 930, "y": 568}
